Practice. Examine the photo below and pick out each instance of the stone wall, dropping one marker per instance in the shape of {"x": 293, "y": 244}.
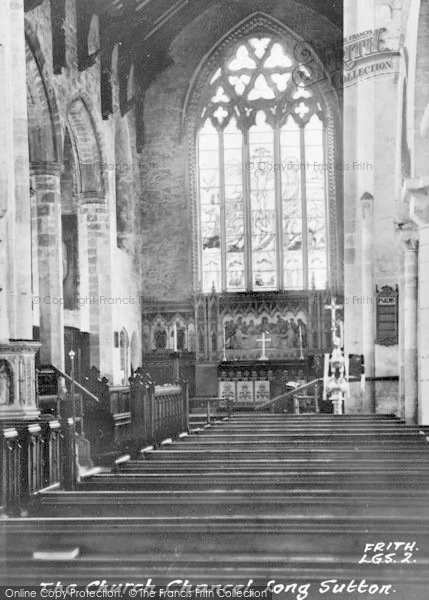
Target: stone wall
{"x": 372, "y": 249}
{"x": 108, "y": 260}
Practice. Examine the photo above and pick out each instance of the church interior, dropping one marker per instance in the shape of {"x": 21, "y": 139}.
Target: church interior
{"x": 214, "y": 296}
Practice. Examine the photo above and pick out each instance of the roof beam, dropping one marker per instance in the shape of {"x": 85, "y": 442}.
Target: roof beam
{"x": 166, "y": 16}
{"x": 142, "y": 4}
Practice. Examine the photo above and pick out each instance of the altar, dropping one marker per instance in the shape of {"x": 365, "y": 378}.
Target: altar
{"x": 247, "y": 332}
{"x": 247, "y": 384}
{"x": 243, "y": 346}
{"x": 244, "y": 394}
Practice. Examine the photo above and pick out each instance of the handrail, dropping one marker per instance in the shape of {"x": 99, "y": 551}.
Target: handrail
{"x": 164, "y": 390}
{"x": 301, "y": 388}
{"x": 205, "y": 399}
{"x": 289, "y": 394}
{"x": 77, "y": 385}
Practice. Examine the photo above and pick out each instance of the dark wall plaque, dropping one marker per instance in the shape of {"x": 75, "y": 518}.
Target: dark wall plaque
{"x": 387, "y": 316}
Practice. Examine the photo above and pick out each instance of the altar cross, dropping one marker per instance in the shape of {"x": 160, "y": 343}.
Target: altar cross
{"x": 333, "y": 307}
{"x": 264, "y": 340}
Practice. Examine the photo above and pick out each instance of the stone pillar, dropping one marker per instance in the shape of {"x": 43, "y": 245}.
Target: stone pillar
{"x": 423, "y": 324}
{"x": 34, "y": 259}
{"x": 46, "y": 182}
{"x": 409, "y": 319}
{"x": 14, "y": 172}
{"x": 17, "y": 375}
{"x": 21, "y": 321}
{"x": 4, "y": 318}
{"x": 416, "y": 194}
{"x": 367, "y": 300}
{"x": 400, "y": 409}
{"x": 94, "y": 223}
{"x": 6, "y": 169}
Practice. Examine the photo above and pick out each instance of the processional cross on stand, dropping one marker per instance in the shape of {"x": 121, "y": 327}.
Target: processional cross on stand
{"x": 333, "y": 307}
{"x": 264, "y": 340}
{"x": 335, "y": 384}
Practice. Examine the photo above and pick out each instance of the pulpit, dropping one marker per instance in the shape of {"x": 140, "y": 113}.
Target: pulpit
{"x": 17, "y": 377}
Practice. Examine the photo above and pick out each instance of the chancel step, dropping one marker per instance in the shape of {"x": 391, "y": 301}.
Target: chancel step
{"x": 233, "y": 503}
{"x": 272, "y": 496}
{"x": 226, "y": 533}
{"x": 274, "y": 466}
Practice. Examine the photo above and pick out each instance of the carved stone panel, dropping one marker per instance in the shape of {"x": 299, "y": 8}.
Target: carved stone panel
{"x": 6, "y": 383}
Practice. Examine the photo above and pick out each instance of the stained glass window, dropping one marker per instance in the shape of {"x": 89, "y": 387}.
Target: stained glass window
{"x": 261, "y": 174}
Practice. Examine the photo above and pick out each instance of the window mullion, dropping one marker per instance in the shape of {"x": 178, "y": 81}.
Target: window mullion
{"x": 326, "y": 205}
{"x": 304, "y": 209}
{"x": 279, "y": 215}
{"x": 199, "y": 240}
{"x": 247, "y": 212}
{"x": 222, "y": 211}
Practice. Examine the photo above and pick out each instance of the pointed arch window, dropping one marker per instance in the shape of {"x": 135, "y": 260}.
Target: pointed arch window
{"x": 261, "y": 176}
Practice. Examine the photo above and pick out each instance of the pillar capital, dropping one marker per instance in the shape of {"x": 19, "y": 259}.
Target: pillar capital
{"x": 408, "y": 235}
{"x": 45, "y": 168}
{"x": 415, "y": 196}
{"x": 88, "y": 198}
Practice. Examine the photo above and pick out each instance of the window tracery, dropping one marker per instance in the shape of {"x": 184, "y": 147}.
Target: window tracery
{"x": 262, "y": 196}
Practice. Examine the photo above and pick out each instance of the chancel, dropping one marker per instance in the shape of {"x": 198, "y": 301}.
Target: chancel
{"x": 214, "y": 311}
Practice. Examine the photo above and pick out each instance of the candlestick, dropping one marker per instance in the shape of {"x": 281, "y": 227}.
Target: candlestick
{"x": 175, "y": 337}
{"x": 301, "y": 355}
{"x": 224, "y": 344}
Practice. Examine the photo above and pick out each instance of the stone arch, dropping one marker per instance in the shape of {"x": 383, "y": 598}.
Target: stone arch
{"x": 44, "y": 124}
{"x": 124, "y": 180}
{"x": 87, "y": 148}
{"x": 256, "y": 24}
